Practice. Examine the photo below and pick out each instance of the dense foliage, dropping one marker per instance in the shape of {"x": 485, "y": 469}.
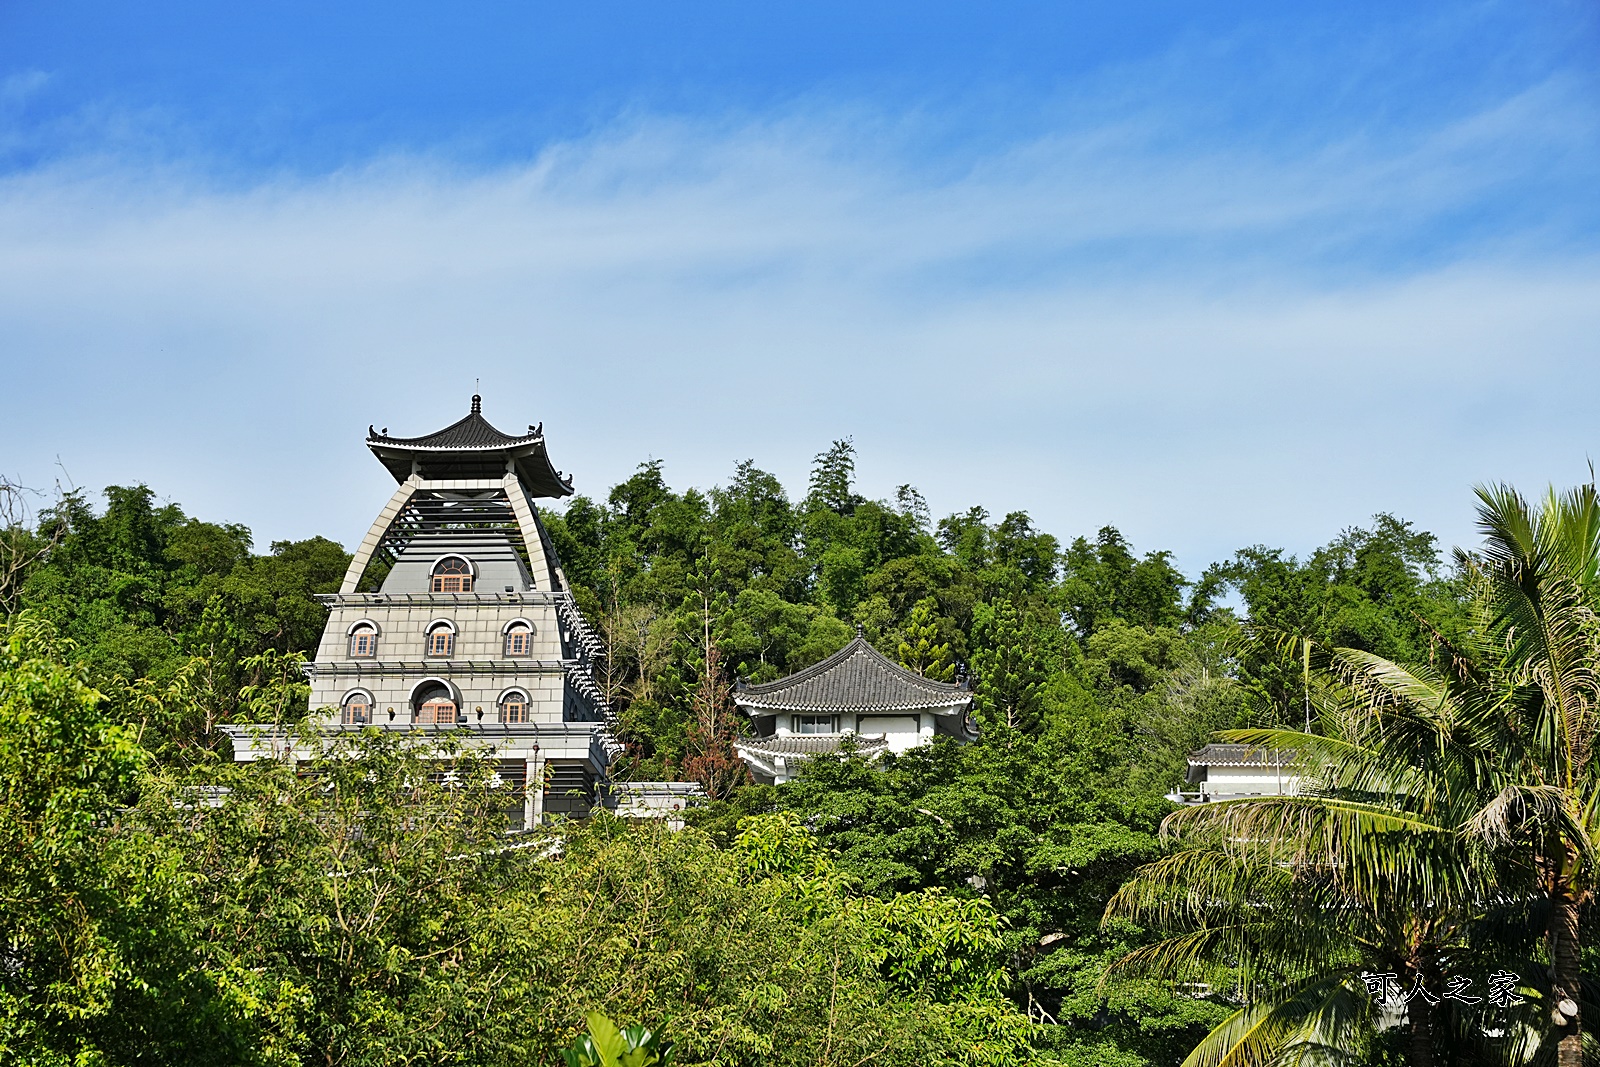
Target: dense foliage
{"x": 941, "y": 906}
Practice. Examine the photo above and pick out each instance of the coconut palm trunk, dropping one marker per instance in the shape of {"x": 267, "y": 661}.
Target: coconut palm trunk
{"x": 1565, "y": 947}
{"x": 1419, "y": 1040}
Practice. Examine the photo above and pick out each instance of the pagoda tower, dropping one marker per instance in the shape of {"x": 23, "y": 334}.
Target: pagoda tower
{"x": 455, "y": 615}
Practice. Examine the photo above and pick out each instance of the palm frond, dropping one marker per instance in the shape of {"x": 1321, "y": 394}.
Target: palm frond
{"x": 1549, "y": 809}
{"x": 1326, "y": 1013}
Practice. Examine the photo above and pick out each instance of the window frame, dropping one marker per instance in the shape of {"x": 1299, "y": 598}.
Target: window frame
{"x": 519, "y": 632}
{"x": 518, "y": 699}
{"x": 441, "y": 580}
{"x": 803, "y": 724}
{"x": 437, "y": 633}
{"x": 436, "y": 704}
{"x": 364, "y": 632}
{"x": 356, "y": 699}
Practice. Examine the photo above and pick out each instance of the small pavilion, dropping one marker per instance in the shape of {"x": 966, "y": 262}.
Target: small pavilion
{"x": 855, "y": 693}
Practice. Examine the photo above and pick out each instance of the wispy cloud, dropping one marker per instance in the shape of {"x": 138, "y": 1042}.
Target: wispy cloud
{"x": 1207, "y": 343}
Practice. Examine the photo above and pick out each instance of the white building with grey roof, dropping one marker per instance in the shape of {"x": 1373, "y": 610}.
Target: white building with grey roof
{"x": 856, "y": 693}
{"x": 1233, "y": 772}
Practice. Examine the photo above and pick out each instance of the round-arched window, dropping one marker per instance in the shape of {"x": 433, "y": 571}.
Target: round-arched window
{"x": 357, "y": 709}
{"x": 519, "y": 639}
{"x": 364, "y": 642}
{"x": 514, "y": 706}
{"x": 441, "y": 639}
{"x": 452, "y": 575}
{"x": 433, "y": 704}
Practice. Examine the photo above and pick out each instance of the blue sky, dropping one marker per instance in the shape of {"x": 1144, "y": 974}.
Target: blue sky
{"x": 1215, "y": 273}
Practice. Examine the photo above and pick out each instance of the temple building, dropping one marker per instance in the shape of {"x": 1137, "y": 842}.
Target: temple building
{"x": 858, "y": 693}
{"x": 455, "y": 615}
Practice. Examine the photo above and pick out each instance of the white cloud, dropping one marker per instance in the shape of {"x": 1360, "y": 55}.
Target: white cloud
{"x": 1207, "y": 347}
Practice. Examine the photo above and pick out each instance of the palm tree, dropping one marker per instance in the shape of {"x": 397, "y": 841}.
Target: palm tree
{"x": 1365, "y": 872}
{"x": 1536, "y": 583}
{"x": 1446, "y": 796}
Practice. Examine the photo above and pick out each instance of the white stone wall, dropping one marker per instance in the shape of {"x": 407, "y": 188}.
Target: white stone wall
{"x": 903, "y": 732}
{"x": 403, "y": 629}
{"x": 1248, "y": 781}
{"x": 546, "y": 695}
{"x": 480, "y": 638}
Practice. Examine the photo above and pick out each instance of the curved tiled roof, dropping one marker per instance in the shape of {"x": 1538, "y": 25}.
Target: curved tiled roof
{"x": 1217, "y": 754}
{"x": 474, "y": 431}
{"x": 471, "y": 442}
{"x": 857, "y": 678}
{"x": 812, "y": 744}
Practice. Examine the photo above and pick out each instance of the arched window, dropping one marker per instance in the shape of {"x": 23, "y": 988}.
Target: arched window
{"x": 519, "y": 639}
{"x": 514, "y": 706}
{"x": 434, "y": 704}
{"x": 452, "y": 575}
{"x": 441, "y": 639}
{"x": 364, "y": 641}
{"x": 357, "y": 709}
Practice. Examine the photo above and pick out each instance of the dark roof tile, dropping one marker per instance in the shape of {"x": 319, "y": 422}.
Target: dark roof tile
{"x": 858, "y": 678}
{"x": 812, "y": 744}
{"x": 1223, "y": 755}
{"x": 471, "y": 448}
{"x": 474, "y": 431}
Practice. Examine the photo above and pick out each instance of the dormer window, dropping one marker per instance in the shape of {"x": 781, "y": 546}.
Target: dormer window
{"x": 519, "y": 640}
{"x": 364, "y": 642}
{"x": 441, "y": 639}
{"x": 514, "y": 706}
{"x": 452, "y": 575}
{"x": 357, "y": 710}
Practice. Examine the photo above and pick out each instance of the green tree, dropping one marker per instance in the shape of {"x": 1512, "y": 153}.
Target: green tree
{"x": 1104, "y": 581}
{"x": 357, "y": 901}
{"x": 98, "y": 962}
{"x": 761, "y": 953}
{"x": 1380, "y": 590}
{"x": 1536, "y": 593}
{"x": 145, "y": 592}
{"x": 921, "y": 650}
{"x": 1448, "y": 796}
{"x": 1013, "y": 664}
{"x": 833, "y": 480}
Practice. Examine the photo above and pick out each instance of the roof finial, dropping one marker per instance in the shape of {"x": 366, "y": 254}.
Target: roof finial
{"x": 859, "y": 633}
{"x": 477, "y": 404}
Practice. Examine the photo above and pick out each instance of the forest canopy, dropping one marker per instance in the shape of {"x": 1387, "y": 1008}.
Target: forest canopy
{"x": 948, "y": 905}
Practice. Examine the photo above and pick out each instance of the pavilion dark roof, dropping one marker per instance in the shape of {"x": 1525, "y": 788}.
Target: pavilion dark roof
{"x": 472, "y": 448}
{"x": 858, "y": 678}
